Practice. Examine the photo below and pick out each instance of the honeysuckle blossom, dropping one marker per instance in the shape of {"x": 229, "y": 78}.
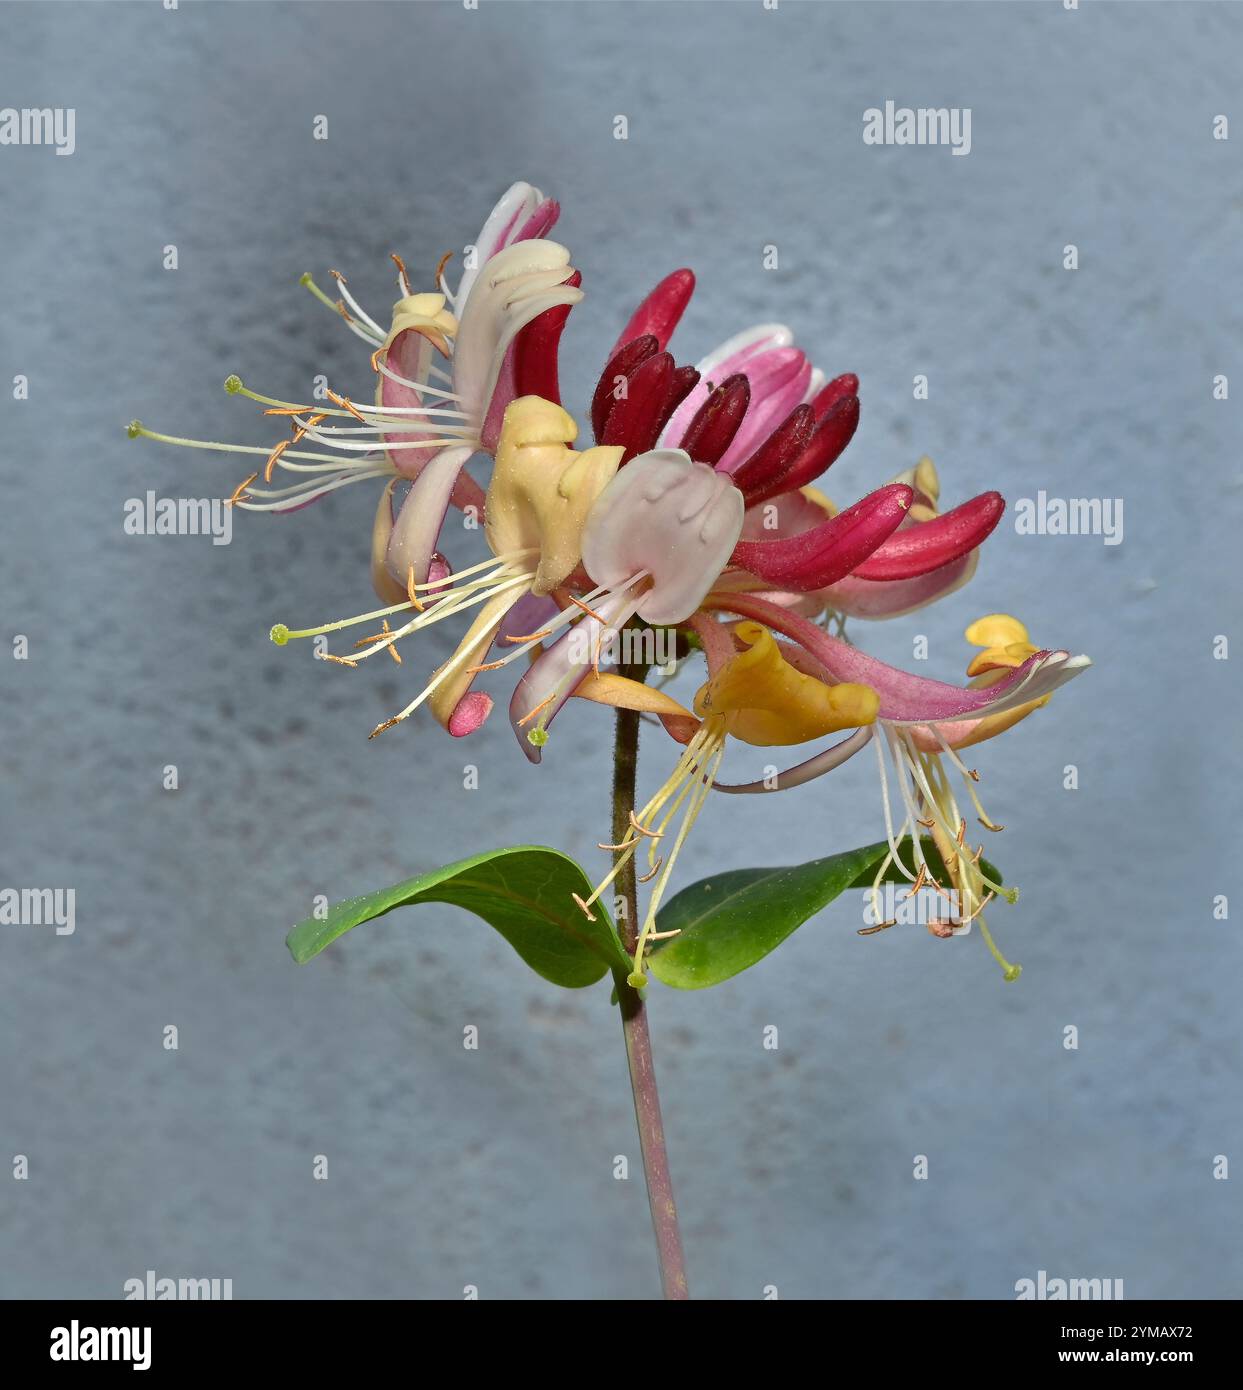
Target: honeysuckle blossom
{"x": 757, "y": 410}
{"x": 920, "y": 726}
{"x": 696, "y": 510}
{"x": 498, "y": 336}
{"x": 537, "y": 503}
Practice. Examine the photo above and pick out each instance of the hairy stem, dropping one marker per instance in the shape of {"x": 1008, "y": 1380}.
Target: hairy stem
{"x": 634, "y": 1024}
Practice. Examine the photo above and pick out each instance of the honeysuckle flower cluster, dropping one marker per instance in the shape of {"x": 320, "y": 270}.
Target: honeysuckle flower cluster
{"x": 695, "y": 509}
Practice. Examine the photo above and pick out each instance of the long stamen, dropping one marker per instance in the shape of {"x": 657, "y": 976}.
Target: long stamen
{"x": 502, "y": 568}
{"x": 137, "y": 430}
{"x": 368, "y": 321}
{"x": 884, "y": 793}
{"x": 640, "y": 831}
{"x": 930, "y": 765}
{"x": 451, "y": 667}
{"x": 1010, "y": 970}
{"x": 374, "y": 338}
{"x": 401, "y": 272}
{"x": 701, "y": 779}
{"x": 422, "y": 387}
{"x": 310, "y": 490}
{"x": 451, "y": 605}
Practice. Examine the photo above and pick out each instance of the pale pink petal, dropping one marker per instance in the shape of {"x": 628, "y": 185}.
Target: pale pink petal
{"x": 893, "y": 598}
{"x": 732, "y": 356}
{"x": 668, "y": 518}
{"x": 422, "y": 514}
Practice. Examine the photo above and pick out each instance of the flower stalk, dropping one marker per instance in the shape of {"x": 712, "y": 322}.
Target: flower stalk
{"x": 634, "y": 1020}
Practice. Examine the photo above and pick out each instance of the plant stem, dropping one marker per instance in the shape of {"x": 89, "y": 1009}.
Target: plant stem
{"x": 635, "y": 1029}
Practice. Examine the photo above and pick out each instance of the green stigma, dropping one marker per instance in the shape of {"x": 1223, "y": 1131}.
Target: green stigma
{"x": 636, "y": 979}
{"x": 1012, "y": 973}
{"x": 304, "y": 279}
{"x": 233, "y": 384}
{"x": 537, "y": 737}
{"x": 279, "y": 634}
{"x": 134, "y": 429}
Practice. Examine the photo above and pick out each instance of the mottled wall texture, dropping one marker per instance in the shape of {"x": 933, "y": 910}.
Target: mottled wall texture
{"x": 1091, "y": 127}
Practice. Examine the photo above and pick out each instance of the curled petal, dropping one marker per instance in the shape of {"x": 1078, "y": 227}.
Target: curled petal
{"x": 778, "y": 382}
{"x": 514, "y": 287}
{"x": 541, "y": 491}
{"x": 420, "y": 327}
{"x": 893, "y": 598}
{"x": 766, "y": 700}
{"x": 802, "y": 772}
{"x": 608, "y": 688}
{"x": 555, "y": 675}
{"x": 535, "y": 366}
{"x": 412, "y": 541}
{"x": 517, "y": 211}
{"x": 920, "y": 549}
{"x": 661, "y": 311}
{"x": 669, "y": 519}
{"x": 906, "y": 698}
{"x": 621, "y": 692}
{"x": 386, "y": 587}
{"x": 737, "y": 355}
{"x": 529, "y": 367}
{"x": 830, "y": 551}
{"x": 446, "y": 700}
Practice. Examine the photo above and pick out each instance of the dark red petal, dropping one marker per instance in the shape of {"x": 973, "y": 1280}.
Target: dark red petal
{"x": 837, "y": 390}
{"x": 660, "y": 311}
{"x": 634, "y": 421}
{"x": 714, "y": 424}
{"x": 535, "y": 356}
{"x": 832, "y": 435}
{"x": 928, "y": 545}
{"x": 685, "y": 379}
{"x": 623, "y": 361}
{"x": 774, "y": 458}
{"x": 832, "y": 550}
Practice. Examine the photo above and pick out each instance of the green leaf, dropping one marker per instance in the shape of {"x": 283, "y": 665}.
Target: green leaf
{"x": 524, "y": 892}
{"x": 730, "y": 921}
